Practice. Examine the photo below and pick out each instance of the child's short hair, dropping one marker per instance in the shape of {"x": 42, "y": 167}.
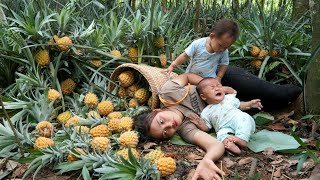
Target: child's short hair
{"x": 224, "y": 26}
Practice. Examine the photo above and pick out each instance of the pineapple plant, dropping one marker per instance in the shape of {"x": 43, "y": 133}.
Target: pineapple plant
{"x": 154, "y": 155}
{"x": 45, "y": 129}
{"x": 93, "y": 114}
{"x": 132, "y": 89}
{"x": 133, "y": 103}
{"x": 159, "y": 42}
{"x": 115, "y": 115}
{"x": 256, "y": 63}
{"x": 125, "y": 153}
{"x": 150, "y": 102}
{"x": 166, "y": 165}
{"x": 64, "y": 43}
{"x": 100, "y": 144}
{"x": 129, "y": 138}
{"x": 126, "y": 78}
{"x": 274, "y": 53}
{"x": 105, "y": 107}
{"x": 82, "y": 129}
{"x": 132, "y": 52}
{"x": 116, "y": 53}
{"x": 64, "y": 117}
{"x": 142, "y": 95}
{"x": 54, "y": 95}
{"x": 126, "y": 123}
{"x": 42, "y": 142}
{"x": 263, "y": 54}
{"x": 91, "y": 99}
{"x": 113, "y": 125}
{"x": 68, "y": 86}
{"x": 122, "y": 92}
{"x": 72, "y": 156}
{"x": 75, "y": 120}
{"x": 254, "y": 51}
{"x": 42, "y": 57}
{"x": 96, "y": 63}
{"x": 163, "y": 60}
{"x": 100, "y": 131}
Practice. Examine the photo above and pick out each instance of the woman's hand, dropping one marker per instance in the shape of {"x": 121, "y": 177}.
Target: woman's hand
{"x": 195, "y": 119}
{"x": 207, "y": 170}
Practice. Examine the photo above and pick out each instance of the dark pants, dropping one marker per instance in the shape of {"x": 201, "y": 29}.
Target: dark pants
{"x": 249, "y": 86}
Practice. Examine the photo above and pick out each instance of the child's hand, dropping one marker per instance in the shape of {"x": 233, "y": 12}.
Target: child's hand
{"x": 255, "y": 103}
{"x": 168, "y": 70}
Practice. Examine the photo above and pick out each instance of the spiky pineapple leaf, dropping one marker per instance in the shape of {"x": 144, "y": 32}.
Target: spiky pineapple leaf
{"x": 85, "y": 173}
{"x": 70, "y": 166}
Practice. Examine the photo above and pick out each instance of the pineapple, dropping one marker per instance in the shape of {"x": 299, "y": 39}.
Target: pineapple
{"x": 256, "y": 63}
{"x": 133, "y": 103}
{"x": 42, "y": 57}
{"x": 263, "y": 54}
{"x": 43, "y": 142}
{"x": 91, "y": 99}
{"x": 105, "y": 107}
{"x": 141, "y": 95}
{"x": 159, "y": 42}
{"x": 166, "y": 166}
{"x": 82, "y": 129}
{"x": 72, "y": 157}
{"x": 100, "y": 131}
{"x": 54, "y": 95}
{"x": 113, "y": 125}
{"x": 129, "y": 138}
{"x": 75, "y": 120}
{"x": 255, "y": 51}
{"x": 115, "y": 115}
{"x": 96, "y": 63}
{"x": 126, "y": 123}
{"x": 274, "y": 53}
{"x": 93, "y": 114}
{"x": 64, "y": 43}
{"x": 126, "y": 78}
{"x": 154, "y": 155}
{"x": 45, "y": 129}
{"x": 132, "y": 89}
{"x": 53, "y": 40}
{"x": 100, "y": 144}
{"x": 67, "y": 86}
{"x": 133, "y": 52}
{"x": 115, "y": 53}
{"x": 125, "y": 153}
{"x": 122, "y": 92}
{"x": 163, "y": 60}
{"x": 150, "y": 102}
{"x": 64, "y": 117}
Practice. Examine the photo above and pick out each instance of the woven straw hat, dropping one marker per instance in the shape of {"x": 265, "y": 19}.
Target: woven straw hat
{"x": 153, "y": 75}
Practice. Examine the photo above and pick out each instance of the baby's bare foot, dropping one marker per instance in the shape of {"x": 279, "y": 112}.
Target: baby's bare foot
{"x": 230, "y": 145}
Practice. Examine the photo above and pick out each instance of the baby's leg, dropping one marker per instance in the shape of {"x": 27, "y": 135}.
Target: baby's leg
{"x": 230, "y": 145}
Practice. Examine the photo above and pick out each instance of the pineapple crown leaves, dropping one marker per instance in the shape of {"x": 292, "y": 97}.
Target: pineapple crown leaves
{"x": 63, "y": 18}
{"x": 41, "y": 110}
{"x": 80, "y": 31}
{"x": 115, "y": 30}
{"x": 139, "y": 26}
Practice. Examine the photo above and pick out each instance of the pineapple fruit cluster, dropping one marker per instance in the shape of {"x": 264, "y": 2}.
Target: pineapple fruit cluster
{"x": 260, "y": 54}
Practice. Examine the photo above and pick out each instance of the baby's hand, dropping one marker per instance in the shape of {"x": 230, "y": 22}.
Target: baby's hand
{"x": 255, "y": 103}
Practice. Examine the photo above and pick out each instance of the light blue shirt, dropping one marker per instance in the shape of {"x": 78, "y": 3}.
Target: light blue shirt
{"x": 202, "y": 62}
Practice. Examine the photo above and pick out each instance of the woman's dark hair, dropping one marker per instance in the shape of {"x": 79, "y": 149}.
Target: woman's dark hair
{"x": 228, "y": 26}
{"x": 142, "y": 124}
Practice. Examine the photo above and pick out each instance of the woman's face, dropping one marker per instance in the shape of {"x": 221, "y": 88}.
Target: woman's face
{"x": 165, "y": 124}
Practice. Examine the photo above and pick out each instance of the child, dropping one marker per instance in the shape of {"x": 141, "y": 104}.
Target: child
{"x": 224, "y": 115}
{"x": 207, "y": 53}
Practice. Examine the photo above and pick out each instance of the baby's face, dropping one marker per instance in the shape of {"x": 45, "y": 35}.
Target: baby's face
{"x": 213, "y": 92}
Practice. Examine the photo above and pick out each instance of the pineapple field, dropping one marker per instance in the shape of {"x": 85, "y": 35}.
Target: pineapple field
{"x": 74, "y": 75}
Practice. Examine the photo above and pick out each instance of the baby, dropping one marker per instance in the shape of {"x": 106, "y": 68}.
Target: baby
{"x": 224, "y": 113}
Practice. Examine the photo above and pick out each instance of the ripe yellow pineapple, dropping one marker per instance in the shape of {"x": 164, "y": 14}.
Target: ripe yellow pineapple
{"x": 72, "y": 157}
{"x": 42, "y": 57}
{"x": 96, "y": 63}
{"x": 68, "y": 86}
{"x": 126, "y": 123}
{"x": 54, "y": 94}
{"x": 115, "y": 115}
{"x": 126, "y": 78}
{"x": 159, "y": 42}
{"x": 254, "y": 51}
{"x": 122, "y": 92}
{"x": 129, "y": 138}
{"x": 105, "y": 107}
{"x": 113, "y": 125}
{"x": 256, "y": 63}
{"x": 115, "y": 53}
{"x": 64, "y": 43}
{"x": 166, "y": 166}
{"x": 100, "y": 131}
{"x": 125, "y": 153}
{"x": 154, "y": 155}
{"x": 64, "y": 117}
{"x": 43, "y": 142}
{"x": 274, "y": 53}
{"x": 132, "y": 89}
{"x": 150, "y": 102}
{"x": 93, "y": 114}
{"x": 75, "y": 120}
{"x": 141, "y": 95}
{"x": 100, "y": 144}
{"x": 133, "y": 103}
{"x": 45, "y": 129}
{"x": 163, "y": 60}
{"x": 91, "y": 99}
{"x": 82, "y": 129}
{"x": 263, "y": 54}
{"x": 133, "y": 52}
{"x": 53, "y": 40}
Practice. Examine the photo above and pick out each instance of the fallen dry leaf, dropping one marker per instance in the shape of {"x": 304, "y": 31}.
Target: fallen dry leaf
{"x": 245, "y": 161}
{"x": 148, "y": 145}
{"x": 315, "y": 174}
{"x": 276, "y": 162}
{"x": 308, "y": 164}
{"x": 276, "y": 127}
{"x": 293, "y": 122}
{"x": 285, "y": 115}
{"x": 190, "y": 174}
{"x": 173, "y": 155}
{"x": 290, "y": 163}
{"x": 229, "y": 163}
{"x": 192, "y": 156}
{"x": 277, "y": 173}
{"x": 11, "y": 165}
{"x": 20, "y": 170}
{"x": 268, "y": 151}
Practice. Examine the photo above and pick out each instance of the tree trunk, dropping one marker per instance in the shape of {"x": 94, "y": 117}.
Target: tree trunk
{"x": 299, "y": 8}
{"x": 313, "y": 74}
{"x": 196, "y": 21}
{"x": 133, "y": 5}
